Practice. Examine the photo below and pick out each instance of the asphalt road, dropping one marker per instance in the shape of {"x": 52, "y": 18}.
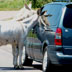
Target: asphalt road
{"x": 7, "y": 14}
{"x": 7, "y": 66}
{"x": 6, "y": 60}
{"x": 6, "y": 55}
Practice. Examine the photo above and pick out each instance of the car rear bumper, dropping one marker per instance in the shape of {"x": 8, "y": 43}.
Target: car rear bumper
{"x": 63, "y": 59}
{"x": 58, "y": 57}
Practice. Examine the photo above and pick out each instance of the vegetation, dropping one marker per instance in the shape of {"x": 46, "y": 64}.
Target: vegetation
{"x": 11, "y": 4}
{"x": 39, "y": 3}
{"x": 17, "y": 4}
{"x": 32, "y": 34}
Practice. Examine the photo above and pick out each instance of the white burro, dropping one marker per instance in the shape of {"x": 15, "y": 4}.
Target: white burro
{"x": 15, "y": 31}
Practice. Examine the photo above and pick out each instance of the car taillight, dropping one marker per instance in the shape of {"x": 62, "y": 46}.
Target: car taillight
{"x": 58, "y": 40}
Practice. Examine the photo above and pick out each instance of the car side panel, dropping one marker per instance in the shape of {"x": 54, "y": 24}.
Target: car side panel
{"x": 29, "y": 45}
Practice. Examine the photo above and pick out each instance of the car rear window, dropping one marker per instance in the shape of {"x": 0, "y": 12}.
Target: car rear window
{"x": 67, "y": 21}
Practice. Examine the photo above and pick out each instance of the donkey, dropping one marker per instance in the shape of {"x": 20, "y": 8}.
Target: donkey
{"x": 43, "y": 20}
{"x": 14, "y": 32}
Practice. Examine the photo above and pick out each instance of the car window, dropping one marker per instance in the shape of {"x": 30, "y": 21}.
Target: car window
{"x": 32, "y": 34}
{"x": 55, "y": 11}
{"x": 67, "y": 21}
{"x": 40, "y": 33}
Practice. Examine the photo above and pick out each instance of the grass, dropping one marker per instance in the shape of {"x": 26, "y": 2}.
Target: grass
{"x": 6, "y": 5}
{"x": 11, "y": 4}
{"x": 31, "y": 34}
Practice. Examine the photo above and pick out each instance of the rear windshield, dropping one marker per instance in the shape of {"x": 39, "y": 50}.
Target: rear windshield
{"x": 67, "y": 22}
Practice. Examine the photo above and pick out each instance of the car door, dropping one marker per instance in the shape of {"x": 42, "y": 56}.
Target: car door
{"x": 37, "y": 43}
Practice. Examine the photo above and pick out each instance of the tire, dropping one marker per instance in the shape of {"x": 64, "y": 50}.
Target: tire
{"x": 26, "y": 60}
{"x": 46, "y": 61}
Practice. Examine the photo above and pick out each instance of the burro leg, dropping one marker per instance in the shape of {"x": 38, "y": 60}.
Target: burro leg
{"x": 15, "y": 56}
{"x": 20, "y": 55}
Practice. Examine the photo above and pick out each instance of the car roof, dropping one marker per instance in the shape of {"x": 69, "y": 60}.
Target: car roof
{"x": 59, "y": 3}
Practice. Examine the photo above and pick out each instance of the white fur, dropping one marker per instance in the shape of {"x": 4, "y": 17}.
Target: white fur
{"x": 14, "y": 32}
{"x": 24, "y": 13}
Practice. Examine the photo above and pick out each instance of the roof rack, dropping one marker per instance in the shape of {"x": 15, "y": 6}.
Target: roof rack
{"x": 63, "y": 0}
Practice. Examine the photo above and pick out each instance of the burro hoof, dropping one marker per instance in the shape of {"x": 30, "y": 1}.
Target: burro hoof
{"x": 16, "y": 67}
{"x": 21, "y": 67}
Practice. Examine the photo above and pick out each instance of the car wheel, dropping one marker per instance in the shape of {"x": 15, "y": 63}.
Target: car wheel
{"x": 26, "y": 60}
{"x": 46, "y": 61}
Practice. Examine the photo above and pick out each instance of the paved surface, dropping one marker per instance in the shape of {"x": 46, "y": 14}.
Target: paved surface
{"x": 6, "y": 61}
{"x": 7, "y": 14}
{"x": 7, "y": 66}
{"x": 6, "y": 55}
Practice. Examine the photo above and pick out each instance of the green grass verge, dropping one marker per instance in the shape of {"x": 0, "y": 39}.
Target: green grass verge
{"x": 11, "y": 4}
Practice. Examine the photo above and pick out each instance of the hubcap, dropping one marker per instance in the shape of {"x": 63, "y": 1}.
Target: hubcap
{"x": 45, "y": 61}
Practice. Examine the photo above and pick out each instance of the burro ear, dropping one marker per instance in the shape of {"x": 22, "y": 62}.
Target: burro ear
{"x": 42, "y": 8}
{"x": 30, "y": 5}
{"x": 39, "y": 11}
{"x": 43, "y": 13}
{"x": 26, "y": 6}
{"x": 49, "y": 15}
